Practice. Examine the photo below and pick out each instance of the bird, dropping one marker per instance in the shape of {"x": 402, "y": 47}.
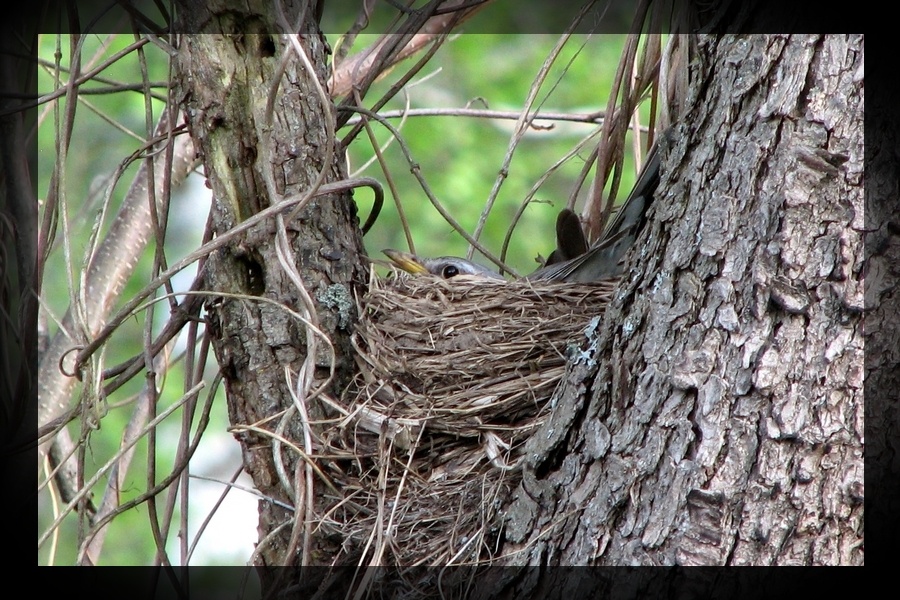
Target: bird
{"x": 446, "y": 267}
{"x": 572, "y": 261}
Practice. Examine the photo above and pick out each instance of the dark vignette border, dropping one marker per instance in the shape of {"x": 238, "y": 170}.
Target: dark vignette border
{"x": 19, "y": 476}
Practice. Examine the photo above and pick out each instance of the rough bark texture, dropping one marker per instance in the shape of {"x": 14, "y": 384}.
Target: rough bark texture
{"x": 718, "y": 417}
{"x": 226, "y": 76}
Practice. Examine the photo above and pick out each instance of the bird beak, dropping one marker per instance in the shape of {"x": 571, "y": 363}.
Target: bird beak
{"x": 406, "y": 261}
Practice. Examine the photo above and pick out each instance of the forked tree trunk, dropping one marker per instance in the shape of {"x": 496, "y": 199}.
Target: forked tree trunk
{"x": 719, "y": 416}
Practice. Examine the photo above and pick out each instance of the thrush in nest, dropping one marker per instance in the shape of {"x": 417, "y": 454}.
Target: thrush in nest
{"x": 572, "y": 261}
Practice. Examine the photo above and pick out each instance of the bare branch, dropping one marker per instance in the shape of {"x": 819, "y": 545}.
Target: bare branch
{"x": 115, "y": 260}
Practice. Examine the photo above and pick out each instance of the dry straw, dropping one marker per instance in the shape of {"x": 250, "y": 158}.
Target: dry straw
{"x": 454, "y": 376}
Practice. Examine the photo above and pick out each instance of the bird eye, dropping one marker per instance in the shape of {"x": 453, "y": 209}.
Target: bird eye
{"x": 449, "y": 271}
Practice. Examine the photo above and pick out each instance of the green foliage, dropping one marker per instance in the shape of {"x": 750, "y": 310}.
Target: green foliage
{"x": 107, "y": 129}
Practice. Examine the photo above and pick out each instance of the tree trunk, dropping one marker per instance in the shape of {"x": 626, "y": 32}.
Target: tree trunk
{"x": 227, "y": 76}
{"x": 719, "y": 418}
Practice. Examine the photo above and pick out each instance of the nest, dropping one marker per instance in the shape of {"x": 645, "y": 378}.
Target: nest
{"x": 454, "y": 377}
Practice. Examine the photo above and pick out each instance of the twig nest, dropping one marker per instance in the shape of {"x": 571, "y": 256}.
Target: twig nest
{"x": 454, "y": 375}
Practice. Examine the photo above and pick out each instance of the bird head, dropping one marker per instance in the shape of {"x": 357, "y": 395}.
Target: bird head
{"x": 445, "y": 267}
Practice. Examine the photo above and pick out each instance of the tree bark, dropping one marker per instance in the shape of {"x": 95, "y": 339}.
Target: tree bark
{"x": 226, "y": 77}
{"x": 719, "y": 418}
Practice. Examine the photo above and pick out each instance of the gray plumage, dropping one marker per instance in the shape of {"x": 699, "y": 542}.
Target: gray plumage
{"x": 451, "y": 266}
{"x": 604, "y": 259}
